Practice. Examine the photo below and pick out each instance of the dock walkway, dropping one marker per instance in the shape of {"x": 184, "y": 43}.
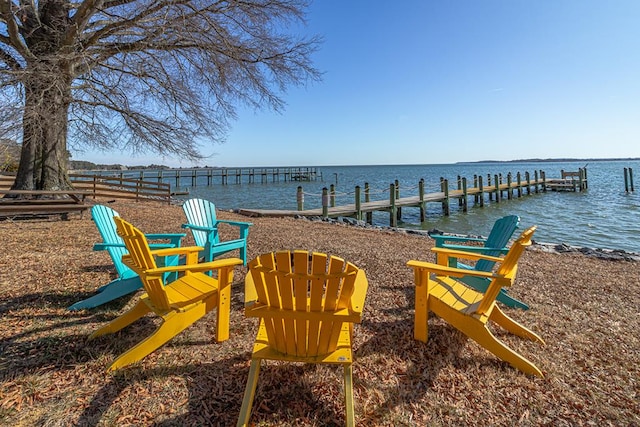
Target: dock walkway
{"x": 495, "y": 189}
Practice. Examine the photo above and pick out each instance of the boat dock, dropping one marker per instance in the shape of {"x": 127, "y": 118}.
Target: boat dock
{"x": 496, "y": 189}
{"x": 223, "y": 176}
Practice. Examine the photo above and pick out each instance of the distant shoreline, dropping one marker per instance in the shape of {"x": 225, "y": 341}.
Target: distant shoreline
{"x": 82, "y": 165}
{"x": 551, "y": 160}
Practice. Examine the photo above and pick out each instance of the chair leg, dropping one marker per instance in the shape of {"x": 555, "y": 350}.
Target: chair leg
{"x": 113, "y": 290}
{"x": 223, "y": 311}
{"x": 249, "y": 393}
{"x": 125, "y": 319}
{"x": 243, "y": 254}
{"x": 172, "y": 325}
{"x": 480, "y": 334}
{"x": 421, "y": 315}
{"x": 348, "y": 395}
{"x": 498, "y": 316}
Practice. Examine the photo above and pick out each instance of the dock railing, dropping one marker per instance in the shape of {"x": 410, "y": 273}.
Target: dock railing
{"x": 497, "y": 188}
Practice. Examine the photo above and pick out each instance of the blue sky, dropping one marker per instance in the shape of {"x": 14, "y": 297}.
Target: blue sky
{"x": 449, "y": 81}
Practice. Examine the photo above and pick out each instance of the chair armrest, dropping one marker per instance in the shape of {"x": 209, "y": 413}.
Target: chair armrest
{"x": 442, "y": 270}
{"x": 236, "y": 223}
{"x": 442, "y": 238}
{"x": 199, "y": 227}
{"x": 105, "y": 246}
{"x": 465, "y": 255}
{"x": 195, "y": 268}
{"x": 177, "y": 251}
{"x": 359, "y": 294}
{"x": 476, "y": 249}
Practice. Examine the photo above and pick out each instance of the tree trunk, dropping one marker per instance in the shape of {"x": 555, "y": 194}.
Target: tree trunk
{"x": 44, "y": 156}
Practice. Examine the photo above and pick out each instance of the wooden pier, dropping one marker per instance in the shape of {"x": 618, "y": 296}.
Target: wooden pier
{"x": 223, "y": 176}
{"x": 496, "y": 189}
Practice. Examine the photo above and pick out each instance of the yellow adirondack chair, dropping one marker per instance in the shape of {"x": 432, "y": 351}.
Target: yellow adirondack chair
{"x": 440, "y": 290}
{"x": 179, "y": 303}
{"x": 307, "y": 304}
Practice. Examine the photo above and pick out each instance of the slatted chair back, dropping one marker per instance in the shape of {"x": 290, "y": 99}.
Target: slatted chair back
{"x": 140, "y": 260}
{"x": 103, "y": 218}
{"x": 499, "y": 237}
{"x": 201, "y": 213}
{"x": 202, "y": 221}
{"x": 506, "y": 271}
{"x": 309, "y": 297}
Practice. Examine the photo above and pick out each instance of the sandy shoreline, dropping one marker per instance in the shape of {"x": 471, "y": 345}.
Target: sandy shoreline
{"x": 584, "y": 307}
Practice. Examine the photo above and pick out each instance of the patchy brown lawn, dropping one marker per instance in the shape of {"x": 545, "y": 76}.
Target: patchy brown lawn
{"x": 586, "y": 309}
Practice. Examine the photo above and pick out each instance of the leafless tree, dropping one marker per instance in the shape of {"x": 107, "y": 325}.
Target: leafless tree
{"x": 158, "y": 75}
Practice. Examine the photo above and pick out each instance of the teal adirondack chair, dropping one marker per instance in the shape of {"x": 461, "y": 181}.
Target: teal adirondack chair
{"x": 493, "y": 245}
{"x": 127, "y": 280}
{"x": 202, "y": 221}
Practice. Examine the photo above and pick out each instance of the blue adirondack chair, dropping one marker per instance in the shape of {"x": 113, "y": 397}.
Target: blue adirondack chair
{"x": 202, "y": 221}
{"x": 493, "y": 245}
{"x": 127, "y": 280}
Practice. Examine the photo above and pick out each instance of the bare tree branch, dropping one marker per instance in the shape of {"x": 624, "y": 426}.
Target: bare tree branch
{"x": 158, "y": 75}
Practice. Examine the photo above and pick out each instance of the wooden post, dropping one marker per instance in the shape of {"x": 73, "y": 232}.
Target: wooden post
{"x": 325, "y": 202}
{"x": 177, "y": 178}
{"x": 527, "y": 177}
{"x": 489, "y": 186}
{"x": 509, "y": 191}
{"x": 626, "y": 181}
{"x": 475, "y": 185}
{"x": 464, "y": 194}
{"x": 393, "y": 219}
{"x": 459, "y": 189}
{"x": 445, "y": 202}
{"x": 160, "y": 175}
{"x": 358, "y": 206}
{"x": 398, "y": 209}
{"x": 423, "y": 208}
{"x": 332, "y": 196}
{"x": 586, "y": 180}
{"x": 535, "y": 178}
{"x": 300, "y": 198}
{"x": 519, "y": 184}
{"x": 369, "y": 215}
{"x": 544, "y": 181}
{"x": 497, "y": 184}
{"x": 481, "y": 189}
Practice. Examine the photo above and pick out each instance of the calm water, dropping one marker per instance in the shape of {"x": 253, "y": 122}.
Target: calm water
{"x": 604, "y": 216}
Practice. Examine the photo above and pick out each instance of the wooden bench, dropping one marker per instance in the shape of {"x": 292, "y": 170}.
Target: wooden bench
{"x": 34, "y": 203}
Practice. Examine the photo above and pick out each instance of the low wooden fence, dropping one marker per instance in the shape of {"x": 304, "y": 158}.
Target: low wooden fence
{"x": 111, "y": 186}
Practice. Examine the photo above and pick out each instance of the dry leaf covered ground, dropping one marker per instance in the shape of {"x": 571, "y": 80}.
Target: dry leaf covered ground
{"x": 586, "y": 309}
